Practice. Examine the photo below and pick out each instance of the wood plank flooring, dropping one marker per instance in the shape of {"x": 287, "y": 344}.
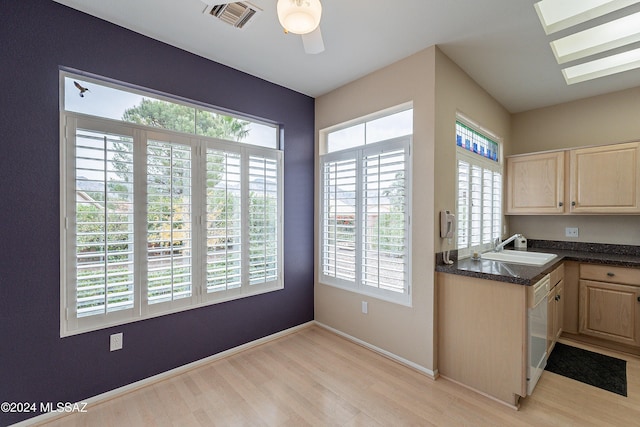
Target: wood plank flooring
{"x": 316, "y": 378}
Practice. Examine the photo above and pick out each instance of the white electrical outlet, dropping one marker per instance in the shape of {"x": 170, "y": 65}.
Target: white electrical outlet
{"x": 365, "y": 307}
{"x": 115, "y": 342}
{"x": 571, "y": 232}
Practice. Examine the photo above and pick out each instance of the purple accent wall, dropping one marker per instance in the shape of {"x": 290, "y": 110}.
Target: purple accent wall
{"x": 36, "y": 365}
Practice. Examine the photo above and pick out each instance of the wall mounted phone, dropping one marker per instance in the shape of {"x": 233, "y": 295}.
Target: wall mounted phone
{"x": 447, "y": 224}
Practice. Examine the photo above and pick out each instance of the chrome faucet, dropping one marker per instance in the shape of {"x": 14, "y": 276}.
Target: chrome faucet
{"x": 500, "y": 246}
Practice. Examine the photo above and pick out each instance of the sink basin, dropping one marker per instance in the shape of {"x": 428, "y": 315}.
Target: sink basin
{"x": 519, "y": 257}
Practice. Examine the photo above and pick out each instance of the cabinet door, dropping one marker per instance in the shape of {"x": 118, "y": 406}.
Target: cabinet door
{"x": 605, "y": 179}
{"x": 535, "y": 183}
{"x": 610, "y": 311}
{"x": 559, "y": 310}
{"x": 551, "y": 317}
{"x": 555, "y": 315}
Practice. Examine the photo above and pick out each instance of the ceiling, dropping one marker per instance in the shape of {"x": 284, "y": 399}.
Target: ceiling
{"x": 499, "y": 43}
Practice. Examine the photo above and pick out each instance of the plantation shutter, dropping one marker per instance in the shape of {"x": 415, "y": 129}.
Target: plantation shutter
{"x": 476, "y": 205}
{"x": 263, "y": 218}
{"x": 464, "y": 204}
{"x": 339, "y": 218}
{"x": 479, "y": 207}
{"x": 104, "y": 223}
{"x": 384, "y": 219}
{"x": 169, "y": 223}
{"x": 365, "y": 219}
{"x": 224, "y": 220}
{"x": 153, "y": 222}
{"x": 497, "y": 205}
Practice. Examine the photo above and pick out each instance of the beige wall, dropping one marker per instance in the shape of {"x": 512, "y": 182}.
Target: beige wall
{"x": 605, "y": 119}
{"x": 457, "y": 92}
{"x": 404, "y": 331}
{"x": 438, "y": 88}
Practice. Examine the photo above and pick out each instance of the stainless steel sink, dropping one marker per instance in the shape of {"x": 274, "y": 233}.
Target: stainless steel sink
{"x": 519, "y": 257}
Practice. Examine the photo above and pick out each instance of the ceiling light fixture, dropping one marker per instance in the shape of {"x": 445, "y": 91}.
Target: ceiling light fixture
{"x": 613, "y": 64}
{"x": 299, "y": 16}
{"x": 557, "y": 15}
{"x": 611, "y": 35}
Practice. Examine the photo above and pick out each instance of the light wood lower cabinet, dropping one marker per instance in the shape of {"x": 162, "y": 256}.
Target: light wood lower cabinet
{"x": 571, "y": 291}
{"x": 555, "y": 314}
{"x": 610, "y": 303}
{"x": 482, "y": 326}
{"x": 555, "y": 307}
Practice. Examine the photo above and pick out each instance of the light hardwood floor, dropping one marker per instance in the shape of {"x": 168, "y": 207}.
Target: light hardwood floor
{"x": 314, "y": 377}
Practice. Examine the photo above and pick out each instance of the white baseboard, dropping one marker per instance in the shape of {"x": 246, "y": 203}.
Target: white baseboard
{"x": 50, "y": 416}
{"x": 428, "y": 372}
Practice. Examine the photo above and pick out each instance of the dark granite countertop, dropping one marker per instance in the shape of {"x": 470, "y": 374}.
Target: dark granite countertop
{"x": 617, "y": 255}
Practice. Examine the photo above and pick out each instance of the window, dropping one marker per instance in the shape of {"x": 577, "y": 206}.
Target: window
{"x": 156, "y": 221}
{"x": 116, "y": 101}
{"x": 479, "y": 187}
{"x": 365, "y": 207}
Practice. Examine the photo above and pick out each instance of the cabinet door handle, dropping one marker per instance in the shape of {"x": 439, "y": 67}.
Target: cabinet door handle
{"x": 560, "y": 204}
{"x": 638, "y": 299}
{"x": 610, "y": 274}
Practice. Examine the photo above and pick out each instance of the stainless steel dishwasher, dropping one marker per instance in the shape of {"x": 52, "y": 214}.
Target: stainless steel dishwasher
{"x": 537, "y": 331}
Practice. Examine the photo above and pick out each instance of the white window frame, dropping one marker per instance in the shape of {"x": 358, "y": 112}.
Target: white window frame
{"x": 494, "y": 224}
{"x": 71, "y": 323}
{"x": 357, "y": 154}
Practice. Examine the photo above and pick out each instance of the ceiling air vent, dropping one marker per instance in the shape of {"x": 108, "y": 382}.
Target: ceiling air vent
{"x": 238, "y": 14}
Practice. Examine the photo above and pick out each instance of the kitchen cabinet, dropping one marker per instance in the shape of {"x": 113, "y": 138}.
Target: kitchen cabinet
{"x": 609, "y": 306}
{"x": 555, "y": 308}
{"x": 571, "y": 290}
{"x": 535, "y": 183}
{"x": 482, "y": 335}
{"x": 605, "y": 179}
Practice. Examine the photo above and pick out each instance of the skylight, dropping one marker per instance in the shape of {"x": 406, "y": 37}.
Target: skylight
{"x": 616, "y": 34}
{"x": 611, "y": 35}
{"x": 557, "y": 15}
{"x": 603, "y": 67}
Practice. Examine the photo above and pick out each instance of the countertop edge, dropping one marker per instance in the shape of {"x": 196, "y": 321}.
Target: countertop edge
{"x": 529, "y": 275}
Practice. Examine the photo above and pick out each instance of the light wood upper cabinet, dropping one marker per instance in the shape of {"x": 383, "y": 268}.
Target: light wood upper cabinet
{"x": 535, "y": 183}
{"x": 605, "y": 179}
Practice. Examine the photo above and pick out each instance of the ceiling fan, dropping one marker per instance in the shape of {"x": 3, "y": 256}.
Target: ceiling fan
{"x": 296, "y": 16}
